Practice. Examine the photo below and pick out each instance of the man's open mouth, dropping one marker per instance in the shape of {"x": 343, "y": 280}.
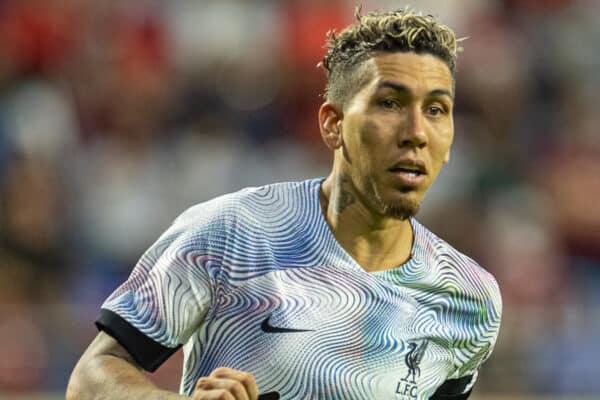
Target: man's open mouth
{"x": 409, "y": 172}
{"x": 412, "y": 172}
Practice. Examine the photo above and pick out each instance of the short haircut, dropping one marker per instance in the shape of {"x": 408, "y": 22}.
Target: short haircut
{"x": 381, "y": 31}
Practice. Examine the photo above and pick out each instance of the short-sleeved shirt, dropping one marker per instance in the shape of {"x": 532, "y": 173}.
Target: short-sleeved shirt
{"x": 256, "y": 281}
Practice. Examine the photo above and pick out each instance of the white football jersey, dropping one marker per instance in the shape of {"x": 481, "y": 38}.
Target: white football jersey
{"x": 256, "y": 281}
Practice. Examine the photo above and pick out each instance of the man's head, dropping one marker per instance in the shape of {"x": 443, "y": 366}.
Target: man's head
{"x": 388, "y": 114}
{"x": 380, "y": 32}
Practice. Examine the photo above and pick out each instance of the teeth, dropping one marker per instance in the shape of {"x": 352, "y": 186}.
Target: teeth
{"x": 411, "y": 174}
{"x": 407, "y": 170}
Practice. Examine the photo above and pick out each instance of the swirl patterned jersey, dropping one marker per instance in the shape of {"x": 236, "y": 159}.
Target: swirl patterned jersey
{"x": 256, "y": 281}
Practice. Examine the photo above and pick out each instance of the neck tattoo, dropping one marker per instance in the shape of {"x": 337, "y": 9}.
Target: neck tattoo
{"x": 342, "y": 196}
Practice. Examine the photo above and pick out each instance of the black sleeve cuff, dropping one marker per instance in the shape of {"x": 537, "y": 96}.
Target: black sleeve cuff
{"x": 453, "y": 389}
{"x": 145, "y": 351}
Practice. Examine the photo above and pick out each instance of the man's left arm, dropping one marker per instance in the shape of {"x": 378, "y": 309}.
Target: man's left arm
{"x": 478, "y": 348}
{"x": 455, "y": 389}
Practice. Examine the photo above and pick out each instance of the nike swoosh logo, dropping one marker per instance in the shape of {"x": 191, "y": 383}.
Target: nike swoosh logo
{"x": 265, "y": 326}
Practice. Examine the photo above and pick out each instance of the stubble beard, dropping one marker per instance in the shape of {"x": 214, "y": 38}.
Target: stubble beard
{"x": 402, "y": 209}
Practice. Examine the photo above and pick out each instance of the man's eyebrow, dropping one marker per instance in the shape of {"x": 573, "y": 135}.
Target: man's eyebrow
{"x": 441, "y": 92}
{"x": 404, "y": 89}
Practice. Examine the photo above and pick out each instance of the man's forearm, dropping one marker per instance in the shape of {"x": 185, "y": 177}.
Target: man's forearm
{"x": 111, "y": 377}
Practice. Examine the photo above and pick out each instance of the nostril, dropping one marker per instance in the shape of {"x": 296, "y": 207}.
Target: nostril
{"x": 413, "y": 142}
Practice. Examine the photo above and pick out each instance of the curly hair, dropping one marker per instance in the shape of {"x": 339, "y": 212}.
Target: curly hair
{"x": 382, "y": 31}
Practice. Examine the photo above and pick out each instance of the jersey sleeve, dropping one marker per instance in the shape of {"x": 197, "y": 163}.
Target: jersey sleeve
{"x": 455, "y": 389}
{"x": 164, "y": 300}
{"x": 476, "y": 346}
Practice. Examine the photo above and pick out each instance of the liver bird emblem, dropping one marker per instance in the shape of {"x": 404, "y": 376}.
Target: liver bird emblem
{"x": 413, "y": 359}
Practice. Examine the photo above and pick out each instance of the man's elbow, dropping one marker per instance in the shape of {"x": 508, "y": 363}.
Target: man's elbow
{"x": 73, "y": 390}
{"x": 76, "y": 386}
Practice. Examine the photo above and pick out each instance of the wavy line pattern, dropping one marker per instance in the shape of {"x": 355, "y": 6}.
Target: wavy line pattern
{"x": 226, "y": 265}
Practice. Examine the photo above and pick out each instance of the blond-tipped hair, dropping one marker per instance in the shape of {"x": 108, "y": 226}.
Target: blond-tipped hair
{"x": 389, "y": 31}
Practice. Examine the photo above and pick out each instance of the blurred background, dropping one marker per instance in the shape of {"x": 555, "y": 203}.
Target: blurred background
{"x": 117, "y": 115}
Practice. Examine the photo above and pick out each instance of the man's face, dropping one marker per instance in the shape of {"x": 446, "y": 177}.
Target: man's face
{"x": 397, "y": 131}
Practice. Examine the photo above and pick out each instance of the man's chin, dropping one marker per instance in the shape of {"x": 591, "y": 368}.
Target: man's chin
{"x": 400, "y": 207}
{"x": 403, "y": 209}
{"x": 398, "y": 203}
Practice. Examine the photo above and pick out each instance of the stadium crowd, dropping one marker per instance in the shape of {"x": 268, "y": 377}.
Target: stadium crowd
{"x": 115, "y": 116}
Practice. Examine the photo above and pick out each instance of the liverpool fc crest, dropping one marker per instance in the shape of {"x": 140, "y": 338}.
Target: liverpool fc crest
{"x": 408, "y": 385}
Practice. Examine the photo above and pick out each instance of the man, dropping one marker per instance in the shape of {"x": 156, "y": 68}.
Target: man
{"x": 323, "y": 289}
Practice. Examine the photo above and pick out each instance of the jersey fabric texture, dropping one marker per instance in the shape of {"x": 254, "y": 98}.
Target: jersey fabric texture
{"x": 256, "y": 281}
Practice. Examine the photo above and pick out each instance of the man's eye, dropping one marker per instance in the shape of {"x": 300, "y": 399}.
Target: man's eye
{"x": 436, "y": 110}
{"x": 390, "y": 104}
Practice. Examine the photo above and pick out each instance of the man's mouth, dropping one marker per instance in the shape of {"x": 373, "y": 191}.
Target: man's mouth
{"x": 409, "y": 172}
{"x": 410, "y": 166}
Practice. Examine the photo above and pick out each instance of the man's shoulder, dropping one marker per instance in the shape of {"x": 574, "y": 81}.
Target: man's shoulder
{"x": 238, "y": 230}
{"x": 251, "y": 205}
{"x": 457, "y": 270}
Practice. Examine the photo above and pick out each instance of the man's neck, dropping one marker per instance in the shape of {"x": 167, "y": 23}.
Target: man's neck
{"x": 376, "y": 242}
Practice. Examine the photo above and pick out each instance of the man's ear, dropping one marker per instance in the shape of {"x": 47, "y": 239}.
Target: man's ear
{"x": 330, "y": 124}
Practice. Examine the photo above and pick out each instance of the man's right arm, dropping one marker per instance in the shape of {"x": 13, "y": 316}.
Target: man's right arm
{"x": 106, "y": 370}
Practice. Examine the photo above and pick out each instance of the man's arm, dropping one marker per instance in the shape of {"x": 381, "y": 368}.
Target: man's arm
{"x": 107, "y": 371}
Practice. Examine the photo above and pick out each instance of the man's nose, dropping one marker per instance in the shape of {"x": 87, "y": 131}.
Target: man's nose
{"x": 413, "y": 134}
